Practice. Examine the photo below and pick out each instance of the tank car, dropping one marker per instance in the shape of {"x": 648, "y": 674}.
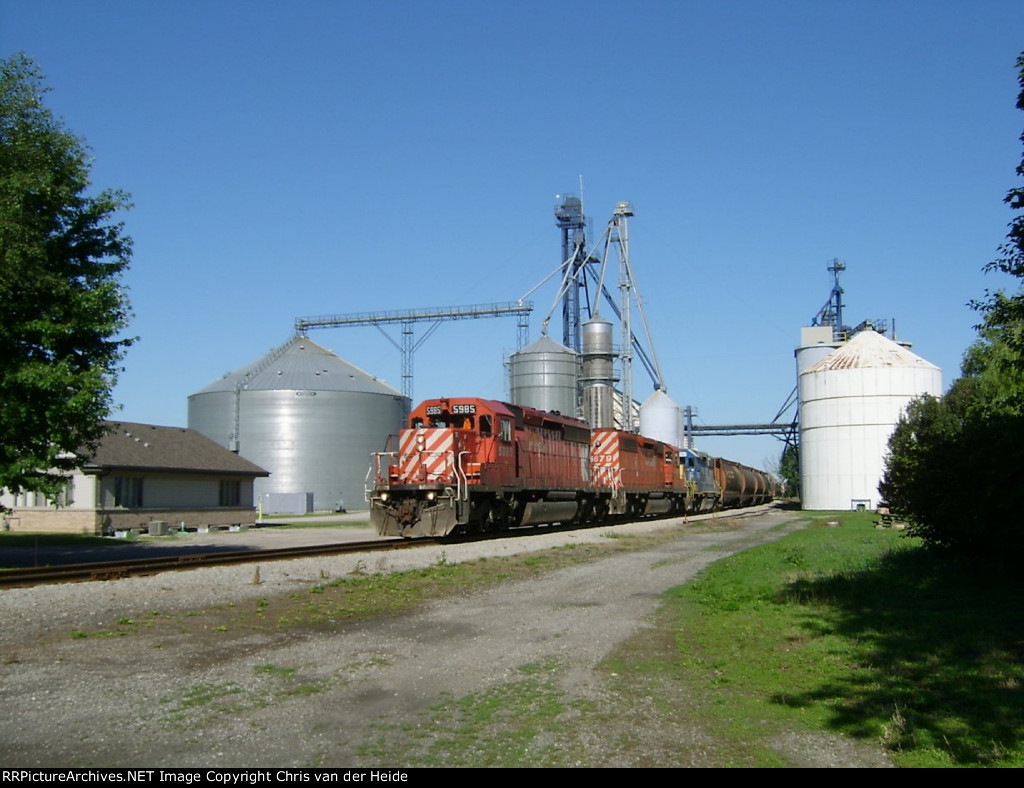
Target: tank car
{"x": 742, "y": 486}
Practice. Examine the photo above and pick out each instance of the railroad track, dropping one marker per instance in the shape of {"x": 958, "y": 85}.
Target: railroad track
{"x": 140, "y": 567}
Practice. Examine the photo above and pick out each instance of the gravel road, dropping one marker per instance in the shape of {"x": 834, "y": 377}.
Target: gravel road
{"x": 352, "y": 695}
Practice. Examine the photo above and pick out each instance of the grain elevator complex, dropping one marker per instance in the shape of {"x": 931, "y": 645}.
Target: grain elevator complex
{"x": 313, "y": 420}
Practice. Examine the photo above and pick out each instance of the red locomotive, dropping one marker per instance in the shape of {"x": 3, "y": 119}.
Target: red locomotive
{"x": 469, "y": 464}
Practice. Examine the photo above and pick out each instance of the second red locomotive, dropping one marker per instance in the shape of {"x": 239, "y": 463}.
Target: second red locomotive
{"x": 469, "y": 464}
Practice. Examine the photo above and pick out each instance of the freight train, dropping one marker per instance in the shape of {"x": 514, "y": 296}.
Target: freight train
{"x": 466, "y": 464}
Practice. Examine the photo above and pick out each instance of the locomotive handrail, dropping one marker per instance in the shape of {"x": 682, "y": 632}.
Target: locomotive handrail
{"x": 367, "y": 490}
{"x": 461, "y": 478}
{"x": 370, "y": 471}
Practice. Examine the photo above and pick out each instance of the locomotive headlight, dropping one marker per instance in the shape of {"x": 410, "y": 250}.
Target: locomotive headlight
{"x": 431, "y": 496}
{"x": 384, "y": 496}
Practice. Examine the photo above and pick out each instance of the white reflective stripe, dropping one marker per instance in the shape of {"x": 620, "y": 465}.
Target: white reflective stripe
{"x": 426, "y": 454}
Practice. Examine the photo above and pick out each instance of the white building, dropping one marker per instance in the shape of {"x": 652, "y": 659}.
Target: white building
{"x": 142, "y": 474}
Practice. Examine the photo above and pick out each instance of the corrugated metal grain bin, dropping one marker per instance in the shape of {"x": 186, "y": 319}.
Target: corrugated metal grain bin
{"x": 307, "y": 416}
{"x": 544, "y": 377}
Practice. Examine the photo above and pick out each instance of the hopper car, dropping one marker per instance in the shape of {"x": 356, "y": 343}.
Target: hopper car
{"x": 465, "y": 464}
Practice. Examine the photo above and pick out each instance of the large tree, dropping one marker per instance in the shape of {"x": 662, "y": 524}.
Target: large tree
{"x": 955, "y": 463}
{"x": 1004, "y": 314}
{"x": 62, "y": 307}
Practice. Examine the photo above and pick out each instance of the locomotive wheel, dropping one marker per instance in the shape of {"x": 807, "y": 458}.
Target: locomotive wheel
{"x": 480, "y": 517}
{"x": 499, "y": 517}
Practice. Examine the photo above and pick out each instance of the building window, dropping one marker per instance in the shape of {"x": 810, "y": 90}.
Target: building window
{"x": 65, "y": 497}
{"x": 128, "y": 492}
{"x": 230, "y": 492}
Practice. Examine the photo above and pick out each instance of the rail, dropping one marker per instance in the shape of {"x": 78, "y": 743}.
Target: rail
{"x": 140, "y": 567}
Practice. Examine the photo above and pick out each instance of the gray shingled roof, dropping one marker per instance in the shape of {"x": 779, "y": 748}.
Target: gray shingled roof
{"x": 132, "y": 446}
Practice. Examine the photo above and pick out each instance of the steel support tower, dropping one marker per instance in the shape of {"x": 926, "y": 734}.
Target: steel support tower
{"x": 571, "y": 221}
{"x": 408, "y": 345}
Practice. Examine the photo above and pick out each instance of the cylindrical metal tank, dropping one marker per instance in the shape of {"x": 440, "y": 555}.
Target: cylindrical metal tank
{"x": 662, "y": 419}
{"x": 850, "y": 402}
{"x": 544, "y": 377}
{"x": 305, "y": 415}
{"x": 598, "y": 376}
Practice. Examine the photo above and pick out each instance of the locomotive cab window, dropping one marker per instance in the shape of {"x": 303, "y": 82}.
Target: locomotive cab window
{"x": 485, "y": 424}
{"x": 455, "y": 422}
{"x": 505, "y": 430}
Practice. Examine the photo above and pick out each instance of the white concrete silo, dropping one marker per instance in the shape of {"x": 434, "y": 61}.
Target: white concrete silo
{"x": 850, "y": 402}
{"x": 816, "y": 342}
{"x": 307, "y": 416}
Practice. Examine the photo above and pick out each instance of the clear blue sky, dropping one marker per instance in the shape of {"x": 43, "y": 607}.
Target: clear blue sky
{"x": 301, "y": 158}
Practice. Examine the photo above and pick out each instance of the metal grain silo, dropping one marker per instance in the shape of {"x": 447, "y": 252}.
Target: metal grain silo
{"x": 850, "y": 402}
{"x": 598, "y": 376}
{"x": 307, "y": 416}
{"x": 544, "y": 376}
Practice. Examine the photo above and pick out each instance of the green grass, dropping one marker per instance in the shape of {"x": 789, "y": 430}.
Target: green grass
{"x": 331, "y": 605}
{"x": 201, "y": 701}
{"x": 854, "y": 631}
{"x": 10, "y": 539}
{"x": 299, "y": 523}
{"x": 515, "y": 723}
{"x": 277, "y": 671}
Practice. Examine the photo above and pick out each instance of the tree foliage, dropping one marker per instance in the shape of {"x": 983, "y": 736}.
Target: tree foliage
{"x": 62, "y": 307}
{"x": 1004, "y": 314}
{"x": 789, "y": 470}
{"x": 955, "y": 463}
{"x": 953, "y": 471}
